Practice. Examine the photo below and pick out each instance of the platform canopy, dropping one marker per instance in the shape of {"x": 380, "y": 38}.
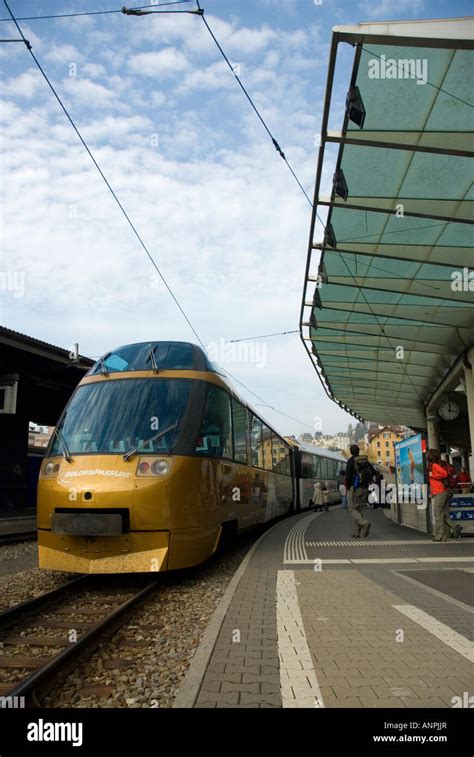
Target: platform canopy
{"x": 389, "y": 289}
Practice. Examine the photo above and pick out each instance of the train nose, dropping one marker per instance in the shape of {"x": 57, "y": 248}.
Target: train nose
{"x": 91, "y": 484}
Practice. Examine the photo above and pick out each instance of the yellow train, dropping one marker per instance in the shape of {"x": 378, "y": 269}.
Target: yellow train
{"x": 155, "y": 461}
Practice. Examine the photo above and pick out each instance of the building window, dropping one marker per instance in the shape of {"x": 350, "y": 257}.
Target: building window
{"x": 387, "y": 444}
{"x": 386, "y": 435}
{"x": 378, "y": 444}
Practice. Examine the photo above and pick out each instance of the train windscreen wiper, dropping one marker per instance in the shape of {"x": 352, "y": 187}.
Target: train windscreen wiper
{"x": 103, "y": 367}
{"x": 154, "y": 438}
{"x": 151, "y": 355}
{"x": 62, "y": 442}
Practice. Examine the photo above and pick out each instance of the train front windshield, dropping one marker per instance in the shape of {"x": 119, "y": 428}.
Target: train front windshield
{"x": 115, "y": 416}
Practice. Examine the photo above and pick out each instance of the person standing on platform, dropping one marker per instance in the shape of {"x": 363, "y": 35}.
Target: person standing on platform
{"x": 317, "y": 495}
{"x": 359, "y": 476}
{"x": 440, "y": 493}
{"x": 464, "y": 481}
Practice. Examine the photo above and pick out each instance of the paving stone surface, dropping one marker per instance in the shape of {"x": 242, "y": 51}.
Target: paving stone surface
{"x": 377, "y": 634}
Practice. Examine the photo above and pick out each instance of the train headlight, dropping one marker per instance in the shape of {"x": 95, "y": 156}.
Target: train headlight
{"x": 150, "y": 466}
{"x": 160, "y": 467}
{"x": 50, "y": 469}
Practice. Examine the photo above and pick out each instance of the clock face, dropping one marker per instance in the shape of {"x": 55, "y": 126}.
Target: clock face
{"x": 449, "y": 411}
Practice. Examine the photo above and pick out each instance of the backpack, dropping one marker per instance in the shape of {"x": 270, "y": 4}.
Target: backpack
{"x": 451, "y": 480}
{"x": 364, "y": 472}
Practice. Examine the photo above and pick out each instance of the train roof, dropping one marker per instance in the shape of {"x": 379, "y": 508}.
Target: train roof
{"x": 168, "y": 356}
{"x": 319, "y": 451}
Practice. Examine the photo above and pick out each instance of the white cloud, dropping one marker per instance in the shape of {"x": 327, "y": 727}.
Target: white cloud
{"x": 117, "y": 127}
{"x": 94, "y": 70}
{"x": 25, "y": 85}
{"x": 210, "y": 196}
{"x": 63, "y": 54}
{"x": 165, "y": 63}
{"x": 87, "y": 92}
{"x": 249, "y": 41}
{"x": 215, "y": 76}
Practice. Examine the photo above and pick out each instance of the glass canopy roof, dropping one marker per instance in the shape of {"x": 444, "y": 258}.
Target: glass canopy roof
{"x": 389, "y": 288}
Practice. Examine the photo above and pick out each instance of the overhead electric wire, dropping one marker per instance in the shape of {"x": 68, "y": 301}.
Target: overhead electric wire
{"x": 104, "y": 177}
{"x": 262, "y": 336}
{"x": 266, "y": 404}
{"x": 98, "y": 13}
{"x": 275, "y": 143}
{"x": 27, "y": 44}
{"x": 281, "y": 153}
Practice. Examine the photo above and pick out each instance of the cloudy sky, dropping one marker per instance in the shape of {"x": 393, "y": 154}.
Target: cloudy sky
{"x": 192, "y": 165}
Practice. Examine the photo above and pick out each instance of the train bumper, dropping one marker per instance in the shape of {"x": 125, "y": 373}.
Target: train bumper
{"x": 141, "y": 552}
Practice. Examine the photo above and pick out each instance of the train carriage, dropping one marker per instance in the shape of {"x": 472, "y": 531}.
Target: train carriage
{"x": 314, "y": 464}
{"x": 154, "y": 461}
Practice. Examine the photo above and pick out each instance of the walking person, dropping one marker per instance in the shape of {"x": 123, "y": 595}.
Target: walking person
{"x": 341, "y": 486}
{"x": 359, "y": 476}
{"x": 441, "y": 494}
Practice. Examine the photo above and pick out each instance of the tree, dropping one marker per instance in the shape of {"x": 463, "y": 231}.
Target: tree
{"x": 360, "y": 431}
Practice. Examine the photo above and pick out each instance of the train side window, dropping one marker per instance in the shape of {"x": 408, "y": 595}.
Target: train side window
{"x": 215, "y": 436}
{"x": 306, "y": 465}
{"x": 277, "y": 453}
{"x": 324, "y": 469}
{"x": 286, "y": 469}
{"x": 316, "y": 466}
{"x": 256, "y": 441}
{"x": 281, "y": 456}
{"x": 267, "y": 447}
{"x": 239, "y": 425}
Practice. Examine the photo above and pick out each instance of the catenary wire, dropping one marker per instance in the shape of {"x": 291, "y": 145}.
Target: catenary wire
{"x": 142, "y": 243}
{"x": 275, "y": 143}
{"x": 94, "y": 13}
{"x": 131, "y": 223}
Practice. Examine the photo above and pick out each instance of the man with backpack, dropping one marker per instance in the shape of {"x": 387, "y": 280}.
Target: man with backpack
{"x": 359, "y": 475}
{"x": 442, "y": 483}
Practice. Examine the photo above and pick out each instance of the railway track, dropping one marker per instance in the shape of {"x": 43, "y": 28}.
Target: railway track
{"x": 45, "y": 638}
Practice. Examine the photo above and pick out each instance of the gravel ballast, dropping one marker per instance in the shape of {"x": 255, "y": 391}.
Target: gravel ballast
{"x": 142, "y": 664}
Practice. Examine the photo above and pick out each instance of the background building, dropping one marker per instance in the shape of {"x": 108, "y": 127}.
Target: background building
{"x": 380, "y": 447}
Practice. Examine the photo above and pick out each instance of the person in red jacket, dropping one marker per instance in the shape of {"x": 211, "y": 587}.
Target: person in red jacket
{"x": 464, "y": 480}
{"x": 438, "y": 476}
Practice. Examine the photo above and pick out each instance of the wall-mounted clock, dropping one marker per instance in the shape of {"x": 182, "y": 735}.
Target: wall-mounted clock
{"x": 449, "y": 411}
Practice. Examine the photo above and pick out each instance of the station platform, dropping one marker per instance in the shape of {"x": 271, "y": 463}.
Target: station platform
{"x": 17, "y": 521}
{"x": 315, "y": 618}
